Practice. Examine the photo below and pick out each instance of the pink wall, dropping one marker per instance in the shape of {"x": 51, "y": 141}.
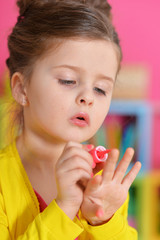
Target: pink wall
{"x": 137, "y": 23}
{"x": 7, "y": 19}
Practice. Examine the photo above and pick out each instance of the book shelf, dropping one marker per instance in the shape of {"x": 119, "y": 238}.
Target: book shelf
{"x": 128, "y": 124}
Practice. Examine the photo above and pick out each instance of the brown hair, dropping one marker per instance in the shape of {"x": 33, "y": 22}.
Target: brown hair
{"x": 42, "y": 21}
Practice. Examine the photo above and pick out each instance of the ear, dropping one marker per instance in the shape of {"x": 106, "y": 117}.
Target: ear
{"x": 18, "y": 89}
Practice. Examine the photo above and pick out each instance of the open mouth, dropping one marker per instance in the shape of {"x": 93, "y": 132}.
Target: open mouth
{"x": 80, "y": 119}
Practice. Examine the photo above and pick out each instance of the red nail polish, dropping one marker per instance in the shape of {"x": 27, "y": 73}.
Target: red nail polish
{"x": 89, "y": 146}
{"x": 100, "y": 213}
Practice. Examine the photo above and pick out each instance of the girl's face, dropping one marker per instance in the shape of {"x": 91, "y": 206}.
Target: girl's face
{"x": 70, "y": 90}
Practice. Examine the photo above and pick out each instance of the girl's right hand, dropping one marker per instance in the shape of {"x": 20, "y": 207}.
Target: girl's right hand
{"x": 73, "y": 168}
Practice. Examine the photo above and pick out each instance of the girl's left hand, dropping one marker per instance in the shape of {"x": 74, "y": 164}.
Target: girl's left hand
{"x": 106, "y": 193}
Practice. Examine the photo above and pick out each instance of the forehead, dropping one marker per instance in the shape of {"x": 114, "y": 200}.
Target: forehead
{"x": 98, "y": 55}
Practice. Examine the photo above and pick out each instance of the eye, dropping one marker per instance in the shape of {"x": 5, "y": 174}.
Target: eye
{"x": 100, "y": 91}
{"x": 66, "y": 82}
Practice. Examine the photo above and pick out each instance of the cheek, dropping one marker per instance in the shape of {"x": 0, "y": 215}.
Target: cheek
{"x": 104, "y": 107}
{"x": 102, "y": 112}
{"x": 102, "y": 117}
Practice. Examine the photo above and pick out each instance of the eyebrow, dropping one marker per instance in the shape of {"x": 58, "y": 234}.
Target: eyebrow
{"x": 101, "y": 76}
{"x": 68, "y": 66}
{"x": 75, "y": 68}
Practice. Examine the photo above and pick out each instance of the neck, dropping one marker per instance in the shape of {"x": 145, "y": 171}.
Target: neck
{"x": 37, "y": 152}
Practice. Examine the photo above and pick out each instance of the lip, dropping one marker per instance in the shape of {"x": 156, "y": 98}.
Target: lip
{"x": 76, "y": 119}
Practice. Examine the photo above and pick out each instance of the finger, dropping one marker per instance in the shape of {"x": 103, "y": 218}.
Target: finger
{"x": 73, "y": 151}
{"x": 74, "y": 163}
{"x": 88, "y": 147}
{"x": 129, "y": 178}
{"x": 96, "y": 213}
{"x": 123, "y": 165}
{"x": 99, "y": 212}
{"x": 92, "y": 211}
{"x": 68, "y": 145}
{"x": 110, "y": 165}
{"x": 78, "y": 175}
{"x": 71, "y": 144}
{"x": 94, "y": 183}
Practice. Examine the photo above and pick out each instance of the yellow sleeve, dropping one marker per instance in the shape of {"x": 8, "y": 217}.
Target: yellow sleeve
{"x": 116, "y": 229}
{"x": 51, "y": 224}
{"x": 4, "y": 233}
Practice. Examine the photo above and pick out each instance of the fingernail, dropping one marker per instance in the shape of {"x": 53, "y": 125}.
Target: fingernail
{"x": 90, "y": 146}
{"x": 99, "y": 213}
{"x": 92, "y": 175}
{"x": 93, "y": 164}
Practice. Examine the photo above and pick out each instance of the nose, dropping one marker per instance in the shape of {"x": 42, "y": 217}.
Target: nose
{"x": 85, "y": 98}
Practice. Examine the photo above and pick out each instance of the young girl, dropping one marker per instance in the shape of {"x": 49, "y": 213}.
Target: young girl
{"x": 63, "y": 63}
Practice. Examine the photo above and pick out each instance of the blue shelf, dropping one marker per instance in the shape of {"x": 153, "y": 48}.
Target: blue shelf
{"x": 143, "y": 113}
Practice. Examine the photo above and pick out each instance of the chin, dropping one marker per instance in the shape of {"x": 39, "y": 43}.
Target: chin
{"x": 77, "y": 138}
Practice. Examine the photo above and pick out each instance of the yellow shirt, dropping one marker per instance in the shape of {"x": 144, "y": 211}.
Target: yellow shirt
{"x": 20, "y": 216}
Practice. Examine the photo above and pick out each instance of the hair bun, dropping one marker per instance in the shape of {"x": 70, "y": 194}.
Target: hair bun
{"x": 23, "y": 5}
{"x": 102, "y": 5}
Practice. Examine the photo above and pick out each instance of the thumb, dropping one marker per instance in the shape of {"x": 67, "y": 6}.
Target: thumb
{"x": 88, "y": 147}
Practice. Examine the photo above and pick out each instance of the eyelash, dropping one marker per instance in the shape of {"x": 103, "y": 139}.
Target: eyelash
{"x": 70, "y": 82}
{"x": 66, "y": 82}
{"x": 100, "y": 91}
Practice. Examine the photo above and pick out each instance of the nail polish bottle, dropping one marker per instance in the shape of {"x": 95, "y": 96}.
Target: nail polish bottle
{"x": 99, "y": 154}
